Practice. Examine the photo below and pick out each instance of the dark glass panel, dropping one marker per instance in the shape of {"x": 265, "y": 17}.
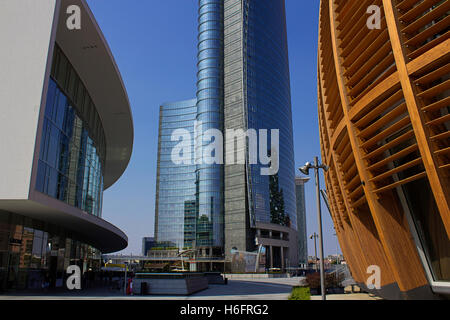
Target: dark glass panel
{"x": 70, "y": 167}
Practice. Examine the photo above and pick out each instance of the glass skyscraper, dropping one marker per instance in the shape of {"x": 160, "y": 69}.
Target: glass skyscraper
{"x": 243, "y": 83}
{"x": 210, "y": 116}
{"x": 257, "y": 96}
{"x": 176, "y": 183}
{"x": 301, "y": 219}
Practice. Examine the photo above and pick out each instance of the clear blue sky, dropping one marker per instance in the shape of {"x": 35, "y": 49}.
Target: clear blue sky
{"x": 154, "y": 44}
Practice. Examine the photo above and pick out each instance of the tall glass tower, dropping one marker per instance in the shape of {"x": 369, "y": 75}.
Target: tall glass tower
{"x": 175, "y": 183}
{"x": 243, "y": 83}
{"x": 209, "y": 116}
{"x": 257, "y": 95}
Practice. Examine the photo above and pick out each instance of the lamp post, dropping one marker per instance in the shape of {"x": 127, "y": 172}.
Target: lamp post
{"x": 305, "y": 170}
{"x": 337, "y": 257}
{"x": 315, "y": 236}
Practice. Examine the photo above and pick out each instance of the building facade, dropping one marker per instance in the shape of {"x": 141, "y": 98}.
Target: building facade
{"x": 175, "y": 216}
{"x": 301, "y": 220}
{"x": 66, "y": 136}
{"x": 384, "y": 127}
{"x": 257, "y": 95}
{"x": 243, "y": 83}
{"x": 147, "y": 244}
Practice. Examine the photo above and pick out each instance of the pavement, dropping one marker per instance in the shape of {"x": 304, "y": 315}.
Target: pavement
{"x": 242, "y": 289}
{"x": 348, "y": 296}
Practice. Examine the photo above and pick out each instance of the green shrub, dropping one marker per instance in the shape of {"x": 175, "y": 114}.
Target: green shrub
{"x": 300, "y": 293}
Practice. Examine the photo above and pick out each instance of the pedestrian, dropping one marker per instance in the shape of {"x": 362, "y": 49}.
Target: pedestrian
{"x": 130, "y": 287}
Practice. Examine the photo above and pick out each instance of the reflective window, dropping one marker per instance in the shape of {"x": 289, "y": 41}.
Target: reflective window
{"x": 269, "y": 107}
{"x": 72, "y": 147}
{"x": 176, "y": 204}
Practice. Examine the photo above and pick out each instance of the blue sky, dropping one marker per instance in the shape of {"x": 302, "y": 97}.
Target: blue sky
{"x": 154, "y": 44}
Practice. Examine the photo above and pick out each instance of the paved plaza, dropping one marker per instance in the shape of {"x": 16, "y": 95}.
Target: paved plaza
{"x": 242, "y": 289}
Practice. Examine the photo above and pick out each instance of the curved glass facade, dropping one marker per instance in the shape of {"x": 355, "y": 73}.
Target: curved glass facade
{"x": 176, "y": 199}
{"x": 72, "y": 147}
{"x": 268, "y": 97}
{"x": 209, "y": 116}
{"x": 32, "y": 252}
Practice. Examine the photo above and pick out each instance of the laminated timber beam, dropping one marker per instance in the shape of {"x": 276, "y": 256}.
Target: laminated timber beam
{"x": 387, "y": 213}
{"x": 439, "y": 182}
{"x": 358, "y": 240}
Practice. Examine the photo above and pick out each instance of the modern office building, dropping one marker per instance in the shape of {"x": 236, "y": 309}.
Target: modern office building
{"x": 243, "y": 83}
{"x": 147, "y": 244}
{"x": 257, "y": 95}
{"x": 66, "y": 135}
{"x": 384, "y": 128}
{"x": 301, "y": 220}
{"x": 175, "y": 182}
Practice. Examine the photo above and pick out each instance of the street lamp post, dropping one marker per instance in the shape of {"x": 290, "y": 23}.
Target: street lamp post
{"x": 315, "y": 236}
{"x": 305, "y": 170}
{"x": 337, "y": 257}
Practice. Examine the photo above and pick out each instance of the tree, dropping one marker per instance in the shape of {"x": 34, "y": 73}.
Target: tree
{"x": 277, "y": 210}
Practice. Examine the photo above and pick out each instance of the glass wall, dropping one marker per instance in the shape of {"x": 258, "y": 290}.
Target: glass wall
{"x": 210, "y": 116}
{"x": 72, "y": 154}
{"x": 301, "y": 222}
{"x": 269, "y": 106}
{"x": 430, "y": 227}
{"x": 176, "y": 202}
{"x": 32, "y": 252}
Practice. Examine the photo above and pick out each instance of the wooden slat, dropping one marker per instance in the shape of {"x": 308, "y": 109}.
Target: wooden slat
{"x": 438, "y": 182}
{"x": 351, "y": 172}
{"x": 429, "y": 58}
{"x": 414, "y": 12}
{"x": 368, "y": 80}
{"x": 439, "y": 121}
{"x": 353, "y": 183}
{"x": 369, "y": 64}
{"x": 427, "y": 18}
{"x": 404, "y": 137}
{"x": 429, "y": 93}
{"x": 384, "y": 120}
{"x": 357, "y": 191}
{"x": 406, "y": 4}
{"x": 393, "y": 157}
{"x": 398, "y": 169}
{"x": 384, "y": 224}
{"x": 385, "y": 75}
{"x": 443, "y": 151}
{"x": 441, "y": 136}
{"x": 387, "y": 132}
{"x": 429, "y": 46}
{"x": 427, "y": 33}
{"x": 376, "y": 97}
{"x": 360, "y": 201}
{"x": 354, "y": 60}
{"x": 401, "y": 182}
{"x": 437, "y": 105}
{"x": 432, "y": 76}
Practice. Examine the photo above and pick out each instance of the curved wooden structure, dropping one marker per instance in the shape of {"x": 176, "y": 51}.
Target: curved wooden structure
{"x": 384, "y": 100}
